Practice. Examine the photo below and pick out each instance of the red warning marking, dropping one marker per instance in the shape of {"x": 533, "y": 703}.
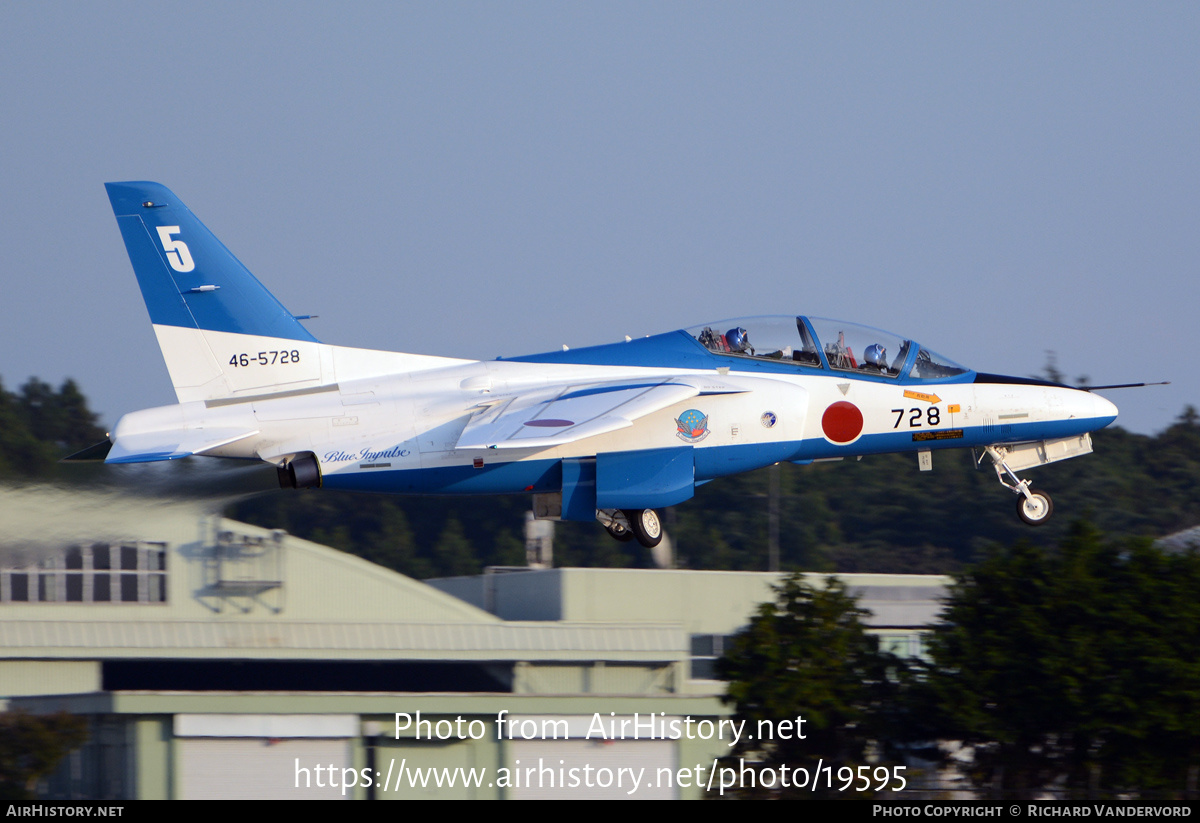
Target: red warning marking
{"x": 842, "y": 422}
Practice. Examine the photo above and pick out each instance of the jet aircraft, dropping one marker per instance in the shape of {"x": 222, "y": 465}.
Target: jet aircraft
{"x": 609, "y": 433}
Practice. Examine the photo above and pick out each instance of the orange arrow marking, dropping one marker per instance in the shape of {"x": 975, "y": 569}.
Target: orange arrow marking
{"x": 916, "y": 395}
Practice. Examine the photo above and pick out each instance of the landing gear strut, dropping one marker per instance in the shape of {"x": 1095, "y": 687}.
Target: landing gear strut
{"x": 619, "y": 529}
{"x": 1034, "y": 506}
{"x": 626, "y": 524}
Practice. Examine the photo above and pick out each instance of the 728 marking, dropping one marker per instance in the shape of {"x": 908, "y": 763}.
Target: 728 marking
{"x": 932, "y": 417}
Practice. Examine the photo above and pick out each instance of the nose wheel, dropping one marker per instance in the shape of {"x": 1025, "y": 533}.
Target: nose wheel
{"x": 626, "y": 524}
{"x": 1034, "y": 506}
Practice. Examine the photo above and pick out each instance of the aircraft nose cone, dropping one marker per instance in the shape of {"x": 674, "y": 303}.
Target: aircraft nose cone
{"x": 1104, "y": 408}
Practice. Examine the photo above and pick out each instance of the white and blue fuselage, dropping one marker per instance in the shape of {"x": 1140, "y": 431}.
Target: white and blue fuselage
{"x": 599, "y": 432}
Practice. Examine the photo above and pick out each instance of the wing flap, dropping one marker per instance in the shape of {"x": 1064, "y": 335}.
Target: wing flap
{"x": 567, "y": 413}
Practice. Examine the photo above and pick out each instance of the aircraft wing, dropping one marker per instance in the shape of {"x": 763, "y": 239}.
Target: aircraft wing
{"x": 554, "y": 416}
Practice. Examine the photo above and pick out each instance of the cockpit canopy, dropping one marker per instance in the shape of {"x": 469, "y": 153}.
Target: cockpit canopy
{"x": 819, "y": 343}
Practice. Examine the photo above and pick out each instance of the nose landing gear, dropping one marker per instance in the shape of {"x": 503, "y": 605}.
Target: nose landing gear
{"x": 1034, "y": 506}
{"x": 626, "y": 524}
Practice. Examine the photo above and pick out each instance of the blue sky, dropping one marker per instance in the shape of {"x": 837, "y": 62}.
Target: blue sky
{"x": 481, "y": 179}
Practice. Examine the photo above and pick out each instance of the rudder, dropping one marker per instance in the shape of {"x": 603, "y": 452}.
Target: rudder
{"x": 220, "y": 331}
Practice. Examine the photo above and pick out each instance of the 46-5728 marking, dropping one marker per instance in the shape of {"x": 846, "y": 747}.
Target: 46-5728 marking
{"x": 265, "y": 358}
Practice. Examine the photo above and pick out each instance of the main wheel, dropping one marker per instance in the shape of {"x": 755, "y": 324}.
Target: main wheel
{"x": 619, "y": 532}
{"x": 1035, "y": 509}
{"x": 646, "y": 526}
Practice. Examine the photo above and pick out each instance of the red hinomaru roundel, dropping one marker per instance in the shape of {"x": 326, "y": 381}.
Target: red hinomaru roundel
{"x": 842, "y": 422}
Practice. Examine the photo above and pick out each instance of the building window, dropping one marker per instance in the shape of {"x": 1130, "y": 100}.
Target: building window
{"x": 909, "y": 645}
{"x": 706, "y": 650}
{"x": 99, "y": 573}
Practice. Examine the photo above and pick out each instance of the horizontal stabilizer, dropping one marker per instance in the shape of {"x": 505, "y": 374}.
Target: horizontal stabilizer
{"x": 152, "y": 447}
{"x": 567, "y": 413}
{"x": 91, "y": 453}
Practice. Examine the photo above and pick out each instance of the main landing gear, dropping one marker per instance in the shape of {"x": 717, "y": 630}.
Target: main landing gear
{"x": 626, "y": 524}
{"x": 1034, "y": 506}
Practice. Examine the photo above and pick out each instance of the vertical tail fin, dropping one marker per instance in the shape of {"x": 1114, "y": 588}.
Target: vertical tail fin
{"x": 220, "y": 331}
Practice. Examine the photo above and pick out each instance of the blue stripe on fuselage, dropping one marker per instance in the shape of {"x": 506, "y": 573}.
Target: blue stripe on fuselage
{"x": 679, "y": 350}
{"x": 673, "y": 350}
{"x": 545, "y": 475}
{"x": 493, "y": 478}
{"x": 902, "y": 441}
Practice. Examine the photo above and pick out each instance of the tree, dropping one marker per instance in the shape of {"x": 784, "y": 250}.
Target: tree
{"x": 21, "y": 453}
{"x": 1051, "y": 370}
{"x": 61, "y": 418}
{"x": 808, "y": 655}
{"x": 1075, "y": 671}
{"x": 31, "y": 747}
{"x": 453, "y": 552}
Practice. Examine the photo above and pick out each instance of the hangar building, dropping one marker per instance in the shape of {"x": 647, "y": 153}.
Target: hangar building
{"x": 218, "y": 660}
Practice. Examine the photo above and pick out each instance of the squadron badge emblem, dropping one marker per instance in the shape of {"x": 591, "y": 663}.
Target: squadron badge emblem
{"x": 692, "y": 426}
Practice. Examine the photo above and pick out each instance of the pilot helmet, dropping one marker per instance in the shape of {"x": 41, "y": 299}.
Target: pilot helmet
{"x": 738, "y": 339}
{"x": 876, "y": 355}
